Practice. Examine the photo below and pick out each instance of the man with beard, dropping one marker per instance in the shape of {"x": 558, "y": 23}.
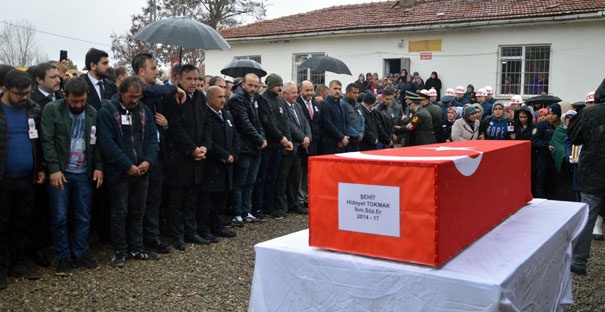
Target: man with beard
{"x": 128, "y": 138}
{"x": 74, "y": 164}
{"x": 355, "y": 118}
{"x": 245, "y": 110}
{"x": 21, "y": 165}
{"x": 334, "y": 125}
{"x": 310, "y": 109}
{"x": 279, "y": 139}
{"x": 187, "y": 143}
{"x": 99, "y": 87}
{"x": 48, "y": 84}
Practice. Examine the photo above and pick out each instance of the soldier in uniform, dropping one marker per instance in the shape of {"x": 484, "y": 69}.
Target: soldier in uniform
{"x": 420, "y": 125}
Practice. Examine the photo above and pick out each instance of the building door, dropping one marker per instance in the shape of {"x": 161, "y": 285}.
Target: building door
{"x": 395, "y": 65}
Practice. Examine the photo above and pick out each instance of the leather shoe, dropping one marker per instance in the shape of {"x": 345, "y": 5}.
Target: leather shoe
{"x": 22, "y": 270}
{"x": 158, "y": 247}
{"x": 40, "y": 258}
{"x": 179, "y": 244}
{"x": 196, "y": 239}
{"x": 3, "y": 282}
{"x": 223, "y": 232}
{"x": 208, "y": 236}
{"x": 578, "y": 271}
{"x": 300, "y": 210}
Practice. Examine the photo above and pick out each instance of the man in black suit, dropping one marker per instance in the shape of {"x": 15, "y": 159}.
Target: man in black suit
{"x": 48, "y": 84}
{"x": 333, "y": 127}
{"x": 218, "y": 175}
{"x": 99, "y": 87}
{"x": 310, "y": 109}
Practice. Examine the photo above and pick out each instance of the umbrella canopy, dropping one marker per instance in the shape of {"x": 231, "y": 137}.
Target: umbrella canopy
{"x": 543, "y": 98}
{"x": 183, "y": 32}
{"x": 326, "y": 63}
{"x": 239, "y": 68}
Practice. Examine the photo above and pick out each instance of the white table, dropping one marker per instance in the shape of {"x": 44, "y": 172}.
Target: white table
{"x": 521, "y": 265}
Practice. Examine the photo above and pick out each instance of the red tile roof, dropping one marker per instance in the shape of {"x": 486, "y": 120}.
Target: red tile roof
{"x": 425, "y": 12}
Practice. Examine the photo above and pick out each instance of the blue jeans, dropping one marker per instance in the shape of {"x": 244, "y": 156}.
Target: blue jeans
{"x": 245, "y": 171}
{"x": 581, "y": 250}
{"x": 77, "y": 191}
{"x": 128, "y": 197}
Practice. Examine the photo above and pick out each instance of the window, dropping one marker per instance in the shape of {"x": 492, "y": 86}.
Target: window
{"x": 524, "y": 70}
{"x": 300, "y": 74}
{"x": 249, "y": 57}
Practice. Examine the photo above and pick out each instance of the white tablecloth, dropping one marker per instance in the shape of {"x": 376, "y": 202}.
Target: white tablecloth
{"x": 521, "y": 265}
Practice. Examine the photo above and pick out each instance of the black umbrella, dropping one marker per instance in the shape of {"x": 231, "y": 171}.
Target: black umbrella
{"x": 543, "y": 98}
{"x": 326, "y": 63}
{"x": 239, "y": 68}
{"x": 183, "y": 32}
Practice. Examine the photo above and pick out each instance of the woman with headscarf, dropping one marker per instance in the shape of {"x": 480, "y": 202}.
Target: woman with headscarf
{"x": 435, "y": 83}
{"x": 452, "y": 116}
{"x": 470, "y": 94}
{"x": 560, "y": 147}
{"x": 361, "y": 83}
{"x": 467, "y": 127}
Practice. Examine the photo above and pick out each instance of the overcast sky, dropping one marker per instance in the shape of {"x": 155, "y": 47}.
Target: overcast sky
{"x": 77, "y": 25}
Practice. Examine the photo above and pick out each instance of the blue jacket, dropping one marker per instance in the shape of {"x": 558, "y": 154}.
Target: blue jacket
{"x": 121, "y": 145}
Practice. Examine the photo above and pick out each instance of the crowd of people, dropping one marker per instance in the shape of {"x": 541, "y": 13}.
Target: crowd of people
{"x": 191, "y": 156}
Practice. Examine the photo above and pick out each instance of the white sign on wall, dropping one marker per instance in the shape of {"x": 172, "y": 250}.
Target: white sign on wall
{"x": 372, "y": 209}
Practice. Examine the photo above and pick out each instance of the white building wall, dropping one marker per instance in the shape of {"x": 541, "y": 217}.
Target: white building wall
{"x": 467, "y": 56}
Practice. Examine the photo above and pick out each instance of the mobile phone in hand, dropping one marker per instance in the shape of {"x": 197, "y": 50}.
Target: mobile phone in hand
{"x": 63, "y": 55}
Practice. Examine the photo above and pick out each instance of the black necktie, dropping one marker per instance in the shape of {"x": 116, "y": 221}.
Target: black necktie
{"x": 220, "y": 115}
{"x": 50, "y": 97}
{"x": 101, "y": 89}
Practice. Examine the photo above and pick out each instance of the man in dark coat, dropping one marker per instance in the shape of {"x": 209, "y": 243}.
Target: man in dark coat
{"x": 99, "y": 87}
{"x": 218, "y": 176}
{"x": 244, "y": 107}
{"x": 277, "y": 131}
{"x": 587, "y": 129}
{"x": 48, "y": 84}
{"x": 188, "y": 141}
{"x": 334, "y": 125}
{"x": 370, "y": 140}
{"x": 20, "y": 168}
{"x": 310, "y": 109}
{"x": 288, "y": 180}
{"x": 128, "y": 139}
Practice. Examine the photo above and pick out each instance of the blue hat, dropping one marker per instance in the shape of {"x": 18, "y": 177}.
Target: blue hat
{"x": 446, "y": 98}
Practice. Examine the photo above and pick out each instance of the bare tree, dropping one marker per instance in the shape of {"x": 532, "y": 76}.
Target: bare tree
{"x": 18, "y": 44}
{"x": 215, "y": 13}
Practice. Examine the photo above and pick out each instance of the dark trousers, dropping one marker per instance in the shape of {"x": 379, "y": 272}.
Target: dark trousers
{"x": 303, "y": 188}
{"x": 128, "y": 197}
{"x": 263, "y": 194}
{"x": 181, "y": 214}
{"x": 151, "y": 221}
{"x": 211, "y": 210}
{"x": 16, "y": 204}
{"x": 546, "y": 175}
{"x": 288, "y": 183}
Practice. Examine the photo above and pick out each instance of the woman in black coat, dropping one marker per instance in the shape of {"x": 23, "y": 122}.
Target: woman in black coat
{"x": 434, "y": 82}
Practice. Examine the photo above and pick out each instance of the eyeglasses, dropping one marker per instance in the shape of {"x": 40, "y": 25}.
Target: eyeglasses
{"x": 21, "y": 94}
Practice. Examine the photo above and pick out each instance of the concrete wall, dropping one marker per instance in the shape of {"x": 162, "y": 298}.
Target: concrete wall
{"x": 468, "y": 55}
